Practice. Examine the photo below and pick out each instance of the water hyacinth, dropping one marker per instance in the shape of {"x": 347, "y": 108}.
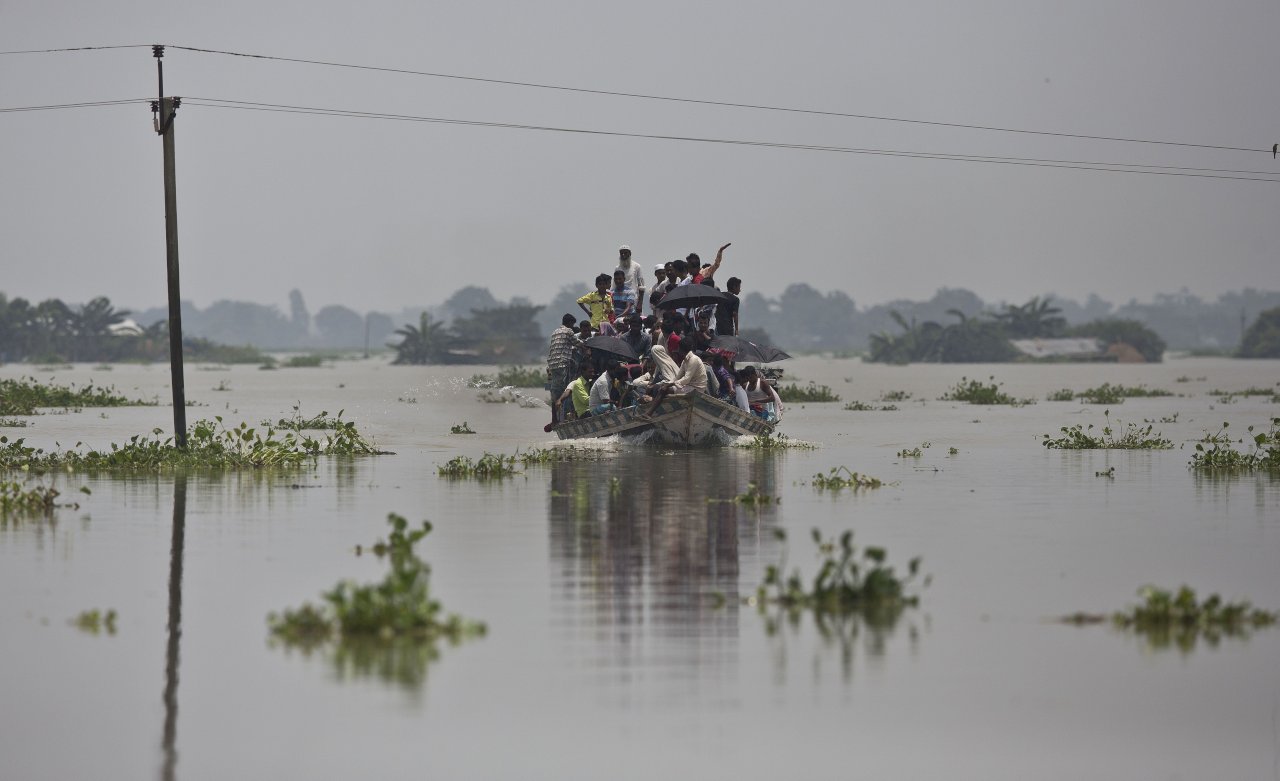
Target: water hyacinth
{"x": 210, "y": 445}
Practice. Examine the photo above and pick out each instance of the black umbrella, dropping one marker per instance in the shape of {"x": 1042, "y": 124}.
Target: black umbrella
{"x": 745, "y": 350}
{"x": 613, "y": 346}
{"x": 691, "y": 297}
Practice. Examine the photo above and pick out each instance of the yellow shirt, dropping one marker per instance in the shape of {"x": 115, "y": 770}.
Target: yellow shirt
{"x": 580, "y": 395}
{"x": 601, "y": 305}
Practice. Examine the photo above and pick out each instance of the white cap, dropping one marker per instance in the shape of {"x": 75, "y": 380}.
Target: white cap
{"x": 624, "y": 247}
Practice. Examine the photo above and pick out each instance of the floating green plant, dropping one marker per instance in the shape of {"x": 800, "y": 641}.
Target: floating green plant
{"x": 1109, "y": 472}
{"x": 978, "y": 392}
{"x": 26, "y": 395}
{"x": 1250, "y": 391}
{"x": 755, "y": 497}
{"x": 914, "y": 452}
{"x": 522, "y": 377}
{"x": 1178, "y": 618}
{"x": 561, "y": 453}
{"x": 490, "y": 466}
{"x": 12, "y": 423}
{"x": 895, "y": 395}
{"x": 859, "y": 406}
{"x": 96, "y": 621}
{"x": 1066, "y": 394}
{"x": 775, "y": 442}
{"x": 1133, "y": 437}
{"x": 210, "y": 444}
{"x": 845, "y": 583}
{"x": 304, "y": 361}
{"x": 839, "y": 478}
{"x": 300, "y": 422}
{"x": 1106, "y": 393}
{"x": 1222, "y": 457}
{"x": 461, "y": 429}
{"x": 398, "y": 607}
{"x": 952, "y": 451}
{"x": 795, "y": 393}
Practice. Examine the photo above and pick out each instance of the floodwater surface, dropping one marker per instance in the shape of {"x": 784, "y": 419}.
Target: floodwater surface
{"x": 620, "y": 642}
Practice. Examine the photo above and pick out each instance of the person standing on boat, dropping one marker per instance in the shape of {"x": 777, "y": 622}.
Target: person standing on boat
{"x": 727, "y": 310}
{"x": 599, "y": 301}
{"x": 659, "y": 286}
{"x": 636, "y": 336}
{"x": 634, "y": 275}
{"x": 559, "y": 358}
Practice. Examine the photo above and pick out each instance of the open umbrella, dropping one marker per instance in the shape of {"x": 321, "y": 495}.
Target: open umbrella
{"x": 613, "y": 346}
{"x": 691, "y": 297}
{"x": 745, "y": 350}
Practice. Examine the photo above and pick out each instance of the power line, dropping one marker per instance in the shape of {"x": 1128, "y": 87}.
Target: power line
{"x": 80, "y": 49}
{"x": 1113, "y": 167}
{"x": 86, "y": 104}
{"x": 720, "y": 103}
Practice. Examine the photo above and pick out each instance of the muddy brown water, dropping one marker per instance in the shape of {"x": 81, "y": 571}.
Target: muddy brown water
{"x": 619, "y": 644}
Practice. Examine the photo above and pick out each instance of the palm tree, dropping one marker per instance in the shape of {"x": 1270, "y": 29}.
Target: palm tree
{"x": 425, "y": 343}
{"x": 1034, "y": 319}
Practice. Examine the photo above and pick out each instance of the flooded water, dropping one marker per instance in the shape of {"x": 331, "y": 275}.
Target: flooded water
{"x": 619, "y": 645}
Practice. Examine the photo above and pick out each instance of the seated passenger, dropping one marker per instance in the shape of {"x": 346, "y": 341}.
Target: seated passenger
{"x": 580, "y": 392}
{"x": 760, "y": 396}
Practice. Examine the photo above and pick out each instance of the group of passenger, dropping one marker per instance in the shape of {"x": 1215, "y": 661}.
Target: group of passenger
{"x": 675, "y": 345}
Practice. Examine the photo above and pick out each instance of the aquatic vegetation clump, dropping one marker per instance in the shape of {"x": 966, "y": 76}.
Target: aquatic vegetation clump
{"x": 770, "y": 442}
{"x": 26, "y": 395}
{"x": 400, "y": 606}
{"x": 12, "y": 423}
{"x": 1166, "y": 618}
{"x": 210, "y": 445}
{"x": 842, "y": 477}
{"x": 754, "y": 497}
{"x": 859, "y": 406}
{"x": 303, "y": 361}
{"x": 490, "y": 466}
{"x": 1106, "y": 393}
{"x": 299, "y": 422}
{"x": 1133, "y": 437}
{"x": 1066, "y": 394}
{"x": 562, "y": 453}
{"x": 461, "y": 429}
{"x": 811, "y": 392}
{"x": 1221, "y": 457}
{"x": 914, "y": 452}
{"x": 895, "y": 395}
{"x": 95, "y": 621}
{"x": 845, "y": 583}
{"x": 978, "y": 392}
{"x": 522, "y": 377}
{"x": 1250, "y": 391}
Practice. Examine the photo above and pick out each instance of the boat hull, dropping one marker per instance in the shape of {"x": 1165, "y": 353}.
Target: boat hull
{"x": 691, "y": 420}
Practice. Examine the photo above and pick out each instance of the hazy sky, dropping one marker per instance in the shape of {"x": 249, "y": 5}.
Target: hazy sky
{"x": 380, "y": 214}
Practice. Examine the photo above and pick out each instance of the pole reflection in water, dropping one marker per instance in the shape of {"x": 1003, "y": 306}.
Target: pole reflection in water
{"x": 174, "y": 628}
{"x": 647, "y": 551}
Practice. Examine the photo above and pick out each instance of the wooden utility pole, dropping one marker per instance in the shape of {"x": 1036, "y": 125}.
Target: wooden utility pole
{"x": 164, "y": 111}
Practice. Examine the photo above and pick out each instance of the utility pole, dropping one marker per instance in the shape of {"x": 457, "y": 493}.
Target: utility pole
{"x": 164, "y": 111}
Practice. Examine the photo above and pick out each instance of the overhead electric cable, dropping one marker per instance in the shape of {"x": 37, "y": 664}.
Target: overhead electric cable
{"x": 86, "y": 104}
{"x": 1132, "y": 168}
{"x": 721, "y": 103}
{"x": 80, "y": 49}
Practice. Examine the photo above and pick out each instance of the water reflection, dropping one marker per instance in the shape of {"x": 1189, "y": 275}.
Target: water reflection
{"x": 869, "y": 630}
{"x": 646, "y": 568}
{"x": 172, "y": 648}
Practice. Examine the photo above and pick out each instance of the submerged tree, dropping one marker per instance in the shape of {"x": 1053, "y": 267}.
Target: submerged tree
{"x": 1262, "y": 340}
{"x": 428, "y": 342}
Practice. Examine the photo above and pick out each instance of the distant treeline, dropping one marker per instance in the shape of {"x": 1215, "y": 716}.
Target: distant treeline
{"x": 802, "y": 318}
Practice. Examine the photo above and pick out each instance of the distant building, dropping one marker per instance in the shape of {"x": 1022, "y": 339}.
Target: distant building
{"x": 1078, "y": 349}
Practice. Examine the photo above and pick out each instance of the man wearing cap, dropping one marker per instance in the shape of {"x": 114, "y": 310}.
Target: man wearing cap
{"x": 635, "y": 277}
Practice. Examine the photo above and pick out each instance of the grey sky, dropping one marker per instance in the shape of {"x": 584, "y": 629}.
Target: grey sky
{"x": 380, "y": 214}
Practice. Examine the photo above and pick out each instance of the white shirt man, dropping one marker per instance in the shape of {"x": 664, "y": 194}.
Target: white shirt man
{"x": 635, "y": 277}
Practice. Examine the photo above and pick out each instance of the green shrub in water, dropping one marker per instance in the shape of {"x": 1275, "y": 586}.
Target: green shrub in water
{"x": 1178, "y": 618}
{"x": 846, "y": 582}
{"x": 841, "y": 477}
{"x": 811, "y": 392}
{"x": 400, "y": 606}
{"x": 978, "y": 392}
{"x": 775, "y": 442}
{"x": 1222, "y": 458}
{"x": 24, "y": 396}
{"x": 1080, "y": 437}
{"x": 210, "y": 444}
{"x": 490, "y": 466}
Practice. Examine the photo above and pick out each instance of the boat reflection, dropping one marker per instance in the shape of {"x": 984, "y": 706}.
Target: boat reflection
{"x": 646, "y": 551}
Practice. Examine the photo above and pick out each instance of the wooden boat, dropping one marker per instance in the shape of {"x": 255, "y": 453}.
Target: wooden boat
{"x": 690, "y": 420}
